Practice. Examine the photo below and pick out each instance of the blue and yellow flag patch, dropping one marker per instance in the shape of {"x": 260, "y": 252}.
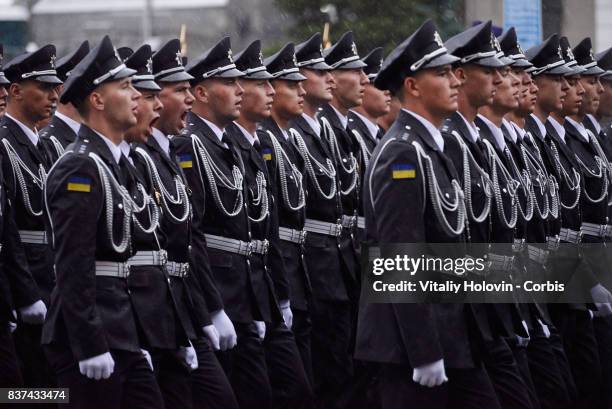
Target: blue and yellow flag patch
{"x": 267, "y": 154}
{"x": 185, "y": 161}
{"x": 79, "y": 184}
{"x": 403, "y": 171}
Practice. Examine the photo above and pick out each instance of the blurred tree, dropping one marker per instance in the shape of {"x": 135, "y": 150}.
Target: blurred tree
{"x": 374, "y": 22}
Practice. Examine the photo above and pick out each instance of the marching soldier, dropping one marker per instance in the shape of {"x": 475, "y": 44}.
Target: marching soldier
{"x": 157, "y": 157}
{"x": 330, "y": 309}
{"x": 92, "y": 336}
{"x": 33, "y": 96}
{"x": 604, "y": 112}
{"x": 418, "y": 345}
{"x": 287, "y": 184}
{"x": 66, "y": 121}
{"x": 491, "y": 207}
{"x": 376, "y": 103}
{"x": 285, "y": 370}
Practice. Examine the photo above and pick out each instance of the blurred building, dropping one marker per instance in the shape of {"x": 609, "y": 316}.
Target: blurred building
{"x": 13, "y": 27}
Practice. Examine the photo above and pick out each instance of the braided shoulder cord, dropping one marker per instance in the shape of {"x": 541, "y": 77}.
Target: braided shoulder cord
{"x": 497, "y": 168}
{"x": 335, "y": 151}
{"x": 281, "y": 156}
{"x": 328, "y": 169}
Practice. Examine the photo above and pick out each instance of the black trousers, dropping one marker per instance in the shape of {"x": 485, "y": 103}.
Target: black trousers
{"x": 549, "y": 372}
{"x": 173, "y": 378}
{"x": 267, "y": 374}
{"x": 10, "y": 375}
{"x": 302, "y": 332}
{"x": 332, "y": 362}
{"x": 603, "y": 334}
{"x": 210, "y": 388}
{"x": 520, "y": 356}
{"x": 131, "y": 386}
{"x": 465, "y": 389}
{"x": 35, "y": 370}
{"x": 505, "y": 375}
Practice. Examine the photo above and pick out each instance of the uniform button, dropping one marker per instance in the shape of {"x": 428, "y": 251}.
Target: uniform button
{"x": 344, "y": 160}
{"x": 120, "y": 206}
{"x": 504, "y": 190}
{"x": 447, "y": 195}
{"x": 290, "y": 176}
{"x": 478, "y": 184}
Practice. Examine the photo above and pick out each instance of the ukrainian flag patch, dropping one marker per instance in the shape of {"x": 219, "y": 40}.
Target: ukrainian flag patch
{"x": 185, "y": 161}
{"x": 267, "y": 154}
{"x": 79, "y": 184}
{"x": 403, "y": 171}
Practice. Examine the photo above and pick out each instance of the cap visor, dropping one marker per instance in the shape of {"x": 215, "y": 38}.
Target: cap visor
{"x": 595, "y": 70}
{"x": 492, "y": 62}
{"x": 259, "y": 75}
{"x": 444, "y": 59}
{"x": 607, "y": 76}
{"x": 176, "y": 77}
{"x": 560, "y": 70}
{"x": 126, "y": 72}
{"x": 3, "y": 80}
{"x": 321, "y": 66}
{"x": 575, "y": 70}
{"x": 293, "y": 76}
{"x": 351, "y": 65}
{"x": 49, "y": 79}
{"x": 522, "y": 63}
{"x": 146, "y": 85}
{"x": 231, "y": 73}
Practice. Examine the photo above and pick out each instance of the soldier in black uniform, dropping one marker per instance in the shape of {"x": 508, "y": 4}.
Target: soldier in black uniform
{"x": 25, "y": 161}
{"x": 330, "y": 279}
{"x": 91, "y": 335}
{"x": 376, "y": 103}
{"x": 286, "y": 182}
{"x": 285, "y": 371}
{"x": 418, "y": 345}
{"x": 492, "y": 210}
{"x": 66, "y": 121}
{"x": 210, "y": 387}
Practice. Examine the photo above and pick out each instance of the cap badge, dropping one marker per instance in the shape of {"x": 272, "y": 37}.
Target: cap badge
{"x": 591, "y": 55}
{"x": 519, "y": 48}
{"x": 179, "y": 58}
{"x": 117, "y": 55}
{"x": 570, "y": 54}
{"x": 52, "y": 61}
{"x": 150, "y": 65}
{"x": 295, "y": 60}
{"x": 321, "y": 48}
{"x": 495, "y": 43}
{"x": 261, "y": 58}
{"x": 354, "y": 49}
{"x": 438, "y": 39}
{"x": 229, "y": 55}
{"x": 380, "y": 64}
{"x": 560, "y": 52}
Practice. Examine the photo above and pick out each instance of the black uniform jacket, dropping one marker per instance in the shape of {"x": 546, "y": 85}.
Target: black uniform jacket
{"x": 57, "y": 136}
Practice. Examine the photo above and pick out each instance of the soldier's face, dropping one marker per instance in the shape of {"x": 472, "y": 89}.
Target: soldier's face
{"x": 592, "y": 91}
{"x": 552, "y": 92}
{"x": 37, "y": 100}
{"x": 257, "y": 99}
{"x": 350, "y": 87}
{"x": 318, "y": 86}
{"x": 605, "y": 102}
{"x": 573, "y": 96}
{"x": 437, "y": 90}
{"x": 225, "y": 98}
{"x": 147, "y": 114}
{"x": 289, "y": 99}
{"x": 177, "y": 99}
{"x": 376, "y": 102}
{"x": 3, "y": 99}
{"x": 119, "y": 101}
{"x": 528, "y": 93}
{"x": 507, "y": 92}
{"x": 478, "y": 83}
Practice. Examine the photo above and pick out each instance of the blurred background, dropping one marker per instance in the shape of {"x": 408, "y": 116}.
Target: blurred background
{"x": 28, "y": 24}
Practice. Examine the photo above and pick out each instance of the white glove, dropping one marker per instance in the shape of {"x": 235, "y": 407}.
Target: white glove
{"x": 188, "y": 357}
{"x": 261, "y": 329}
{"x": 98, "y": 367}
{"x": 287, "y": 313}
{"x": 545, "y": 329}
{"x": 430, "y": 375}
{"x": 213, "y": 335}
{"x": 34, "y": 314}
{"x": 602, "y": 299}
{"x": 226, "y": 330}
{"x": 147, "y": 356}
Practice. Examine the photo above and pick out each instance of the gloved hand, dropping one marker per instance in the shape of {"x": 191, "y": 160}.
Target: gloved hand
{"x": 213, "y": 336}
{"x": 98, "y": 367}
{"x": 147, "y": 356}
{"x": 430, "y": 375}
{"x": 227, "y": 332}
{"x": 602, "y": 299}
{"x": 285, "y": 307}
{"x": 261, "y": 329}
{"x": 34, "y": 314}
{"x": 188, "y": 357}
{"x": 545, "y": 329}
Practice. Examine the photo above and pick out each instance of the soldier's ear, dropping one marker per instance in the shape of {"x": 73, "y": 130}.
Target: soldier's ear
{"x": 460, "y": 74}
{"x": 411, "y": 87}
{"x": 15, "y": 91}
{"x": 200, "y": 92}
{"x": 96, "y": 100}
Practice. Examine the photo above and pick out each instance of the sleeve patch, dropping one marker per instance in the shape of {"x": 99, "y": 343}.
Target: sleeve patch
{"x": 185, "y": 161}
{"x": 403, "y": 171}
{"x": 267, "y": 154}
{"x": 79, "y": 184}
